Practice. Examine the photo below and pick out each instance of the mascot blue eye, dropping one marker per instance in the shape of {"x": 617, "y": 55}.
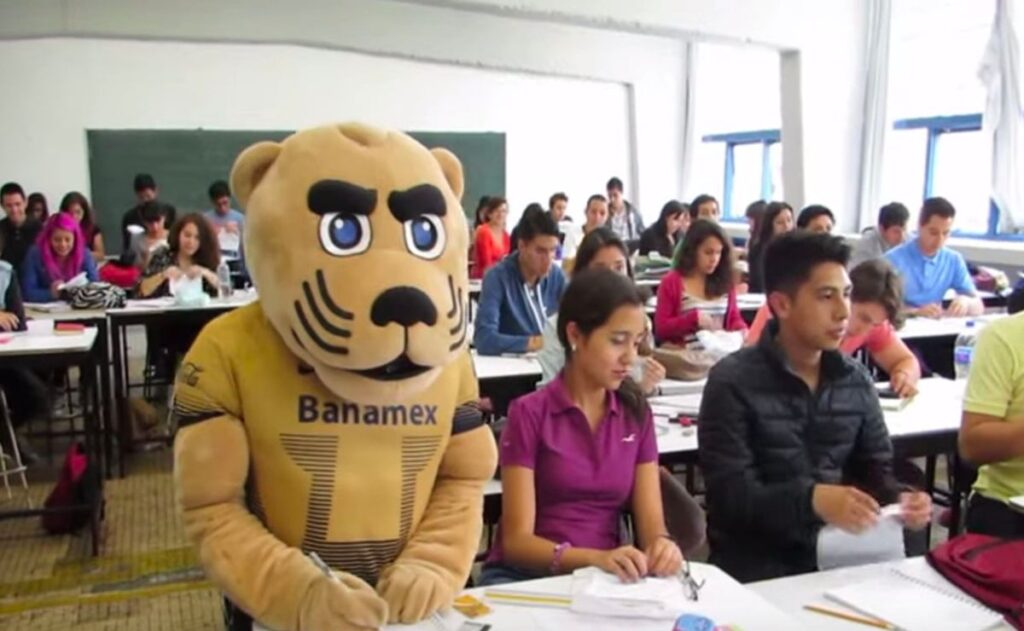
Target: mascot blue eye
{"x": 425, "y": 236}
{"x": 344, "y": 234}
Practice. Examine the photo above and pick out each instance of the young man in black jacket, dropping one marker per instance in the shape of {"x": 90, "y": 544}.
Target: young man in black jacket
{"x": 791, "y": 433}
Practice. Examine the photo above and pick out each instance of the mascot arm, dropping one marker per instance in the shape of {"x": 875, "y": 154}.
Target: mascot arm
{"x": 273, "y": 582}
{"x": 435, "y": 563}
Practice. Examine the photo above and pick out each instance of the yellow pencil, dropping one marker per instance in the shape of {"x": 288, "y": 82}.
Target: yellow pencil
{"x": 527, "y": 599}
{"x": 871, "y": 622}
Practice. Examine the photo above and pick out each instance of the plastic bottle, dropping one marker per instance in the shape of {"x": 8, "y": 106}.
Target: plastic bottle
{"x": 964, "y": 349}
{"x": 224, "y": 289}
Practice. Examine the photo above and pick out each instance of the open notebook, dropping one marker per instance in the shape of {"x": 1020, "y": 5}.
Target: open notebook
{"x": 915, "y": 598}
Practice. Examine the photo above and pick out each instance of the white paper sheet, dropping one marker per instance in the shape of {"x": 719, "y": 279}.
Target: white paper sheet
{"x": 883, "y": 542}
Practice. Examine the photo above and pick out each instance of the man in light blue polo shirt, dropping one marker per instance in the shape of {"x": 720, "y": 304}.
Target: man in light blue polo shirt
{"x": 929, "y": 269}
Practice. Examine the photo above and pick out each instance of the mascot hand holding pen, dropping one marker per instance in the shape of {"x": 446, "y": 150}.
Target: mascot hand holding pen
{"x": 338, "y": 414}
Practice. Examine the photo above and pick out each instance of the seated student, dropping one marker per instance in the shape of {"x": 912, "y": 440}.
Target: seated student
{"x": 930, "y": 269}
{"x": 816, "y": 218}
{"x": 580, "y": 450}
{"x": 875, "y": 303}
{"x": 154, "y": 234}
{"x": 191, "y": 250}
{"x": 76, "y": 205}
{"x": 623, "y": 218}
{"x": 777, "y": 221}
{"x": 58, "y": 256}
{"x": 602, "y": 248}
{"x": 17, "y": 229}
{"x": 875, "y": 241}
{"x": 26, "y": 393}
{"x": 491, "y": 243}
{"x": 705, "y": 207}
{"x": 558, "y": 204}
{"x": 992, "y": 431}
{"x": 38, "y": 209}
{"x": 145, "y": 191}
{"x": 791, "y": 433}
{"x": 532, "y": 209}
{"x": 755, "y": 215}
{"x": 663, "y": 235}
{"x": 228, "y": 224}
{"x": 520, "y": 292}
{"x": 698, "y": 287}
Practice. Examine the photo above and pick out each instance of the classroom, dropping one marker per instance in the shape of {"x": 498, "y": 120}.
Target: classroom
{"x": 491, "y": 315}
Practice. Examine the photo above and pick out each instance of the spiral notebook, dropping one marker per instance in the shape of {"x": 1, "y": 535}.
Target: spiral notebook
{"x": 914, "y": 597}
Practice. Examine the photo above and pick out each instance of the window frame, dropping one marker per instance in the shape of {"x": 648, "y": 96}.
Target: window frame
{"x": 936, "y": 126}
{"x": 766, "y": 138}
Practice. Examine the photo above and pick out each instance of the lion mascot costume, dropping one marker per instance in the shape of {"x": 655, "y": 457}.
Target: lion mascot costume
{"x": 338, "y": 414}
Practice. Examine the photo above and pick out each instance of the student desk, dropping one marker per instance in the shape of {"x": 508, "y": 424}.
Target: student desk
{"x": 722, "y": 599}
{"x": 62, "y": 351}
{"x": 792, "y": 593}
{"x": 155, "y": 312}
{"x": 748, "y": 305}
{"x": 62, "y": 312}
{"x": 933, "y": 339}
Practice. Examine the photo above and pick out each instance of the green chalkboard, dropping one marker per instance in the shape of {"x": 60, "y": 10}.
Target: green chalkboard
{"x": 185, "y": 162}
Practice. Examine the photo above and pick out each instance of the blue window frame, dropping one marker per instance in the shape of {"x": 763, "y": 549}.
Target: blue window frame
{"x": 936, "y": 127}
{"x": 764, "y": 137}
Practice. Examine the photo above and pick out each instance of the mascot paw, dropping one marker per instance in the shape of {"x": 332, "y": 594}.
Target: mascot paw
{"x": 413, "y": 592}
{"x": 347, "y": 604}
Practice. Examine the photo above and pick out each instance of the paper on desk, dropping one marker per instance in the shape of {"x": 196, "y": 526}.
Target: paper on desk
{"x": 883, "y": 542}
{"x": 78, "y": 281}
{"x": 596, "y": 592}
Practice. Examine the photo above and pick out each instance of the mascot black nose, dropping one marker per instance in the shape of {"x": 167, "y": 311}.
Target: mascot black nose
{"x": 405, "y": 306}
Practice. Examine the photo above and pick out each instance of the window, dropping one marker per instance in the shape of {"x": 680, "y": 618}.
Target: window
{"x": 737, "y": 89}
{"x": 936, "y": 146}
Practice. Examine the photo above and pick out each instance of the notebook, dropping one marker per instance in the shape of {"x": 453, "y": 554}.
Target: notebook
{"x": 914, "y": 597}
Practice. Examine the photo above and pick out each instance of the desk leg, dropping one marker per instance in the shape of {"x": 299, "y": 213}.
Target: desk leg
{"x": 120, "y": 396}
{"x": 929, "y": 481}
{"x": 956, "y": 497}
{"x": 109, "y": 417}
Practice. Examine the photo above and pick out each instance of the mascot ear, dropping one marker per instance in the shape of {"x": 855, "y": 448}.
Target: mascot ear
{"x": 452, "y": 169}
{"x": 250, "y": 167}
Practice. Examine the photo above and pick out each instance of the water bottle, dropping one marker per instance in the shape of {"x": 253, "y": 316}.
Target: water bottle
{"x": 964, "y": 349}
{"x": 223, "y": 279}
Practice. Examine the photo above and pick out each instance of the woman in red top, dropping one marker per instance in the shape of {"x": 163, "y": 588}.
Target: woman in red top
{"x": 698, "y": 293}
{"x": 491, "y": 242}
{"x": 875, "y": 302}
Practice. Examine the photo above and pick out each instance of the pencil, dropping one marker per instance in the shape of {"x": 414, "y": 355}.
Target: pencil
{"x": 871, "y": 622}
{"x": 529, "y": 599}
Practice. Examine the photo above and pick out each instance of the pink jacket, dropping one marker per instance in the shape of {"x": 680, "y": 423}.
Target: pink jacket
{"x": 673, "y": 325}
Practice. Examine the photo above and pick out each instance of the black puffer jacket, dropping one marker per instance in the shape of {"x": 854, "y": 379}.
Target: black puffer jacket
{"x": 766, "y": 440}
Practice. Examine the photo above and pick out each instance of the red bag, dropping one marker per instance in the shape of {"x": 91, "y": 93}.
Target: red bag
{"x": 989, "y": 569}
{"x": 119, "y": 275}
{"x": 76, "y": 486}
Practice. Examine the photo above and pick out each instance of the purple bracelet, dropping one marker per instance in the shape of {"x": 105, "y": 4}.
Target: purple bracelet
{"x": 556, "y": 560}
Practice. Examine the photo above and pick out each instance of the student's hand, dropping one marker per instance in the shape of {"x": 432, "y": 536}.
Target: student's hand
{"x": 706, "y": 322}
{"x": 55, "y": 288}
{"x": 535, "y": 343}
{"x": 232, "y": 227}
{"x": 653, "y": 374}
{"x": 959, "y": 307}
{"x": 628, "y": 563}
{"x": 8, "y": 321}
{"x": 194, "y": 272}
{"x": 903, "y": 384}
{"x": 742, "y": 288}
{"x": 845, "y": 507}
{"x": 664, "y": 558}
{"x": 933, "y": 311}
{"x": 916, "y": 509}
{"x": 172, "y": 273}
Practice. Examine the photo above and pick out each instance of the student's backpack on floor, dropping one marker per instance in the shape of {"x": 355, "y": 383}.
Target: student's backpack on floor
{"x": 989, "y": 569}
{"x": 77, "y": 486}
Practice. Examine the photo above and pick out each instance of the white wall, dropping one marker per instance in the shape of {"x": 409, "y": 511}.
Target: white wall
{"x": 651, "y": 66}
{"x": 79, "y": 84}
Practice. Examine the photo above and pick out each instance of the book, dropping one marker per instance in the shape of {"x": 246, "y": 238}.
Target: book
{"x": 915, "y": 598}
{"x": 68, "y": 328}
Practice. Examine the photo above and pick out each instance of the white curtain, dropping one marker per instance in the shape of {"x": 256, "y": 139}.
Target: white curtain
{"x": 876, "y": 94}
{"x": 690, "y": 139}
{"x": 1001, "y": 73}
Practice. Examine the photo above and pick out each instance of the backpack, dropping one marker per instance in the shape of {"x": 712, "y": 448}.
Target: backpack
{"x": 989, "y": 569}
{"x": 95, "y": 296}
{"x": 77, "y": 486}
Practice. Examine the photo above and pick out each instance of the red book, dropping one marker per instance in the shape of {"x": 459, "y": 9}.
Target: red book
{"x": 68, "y": 328}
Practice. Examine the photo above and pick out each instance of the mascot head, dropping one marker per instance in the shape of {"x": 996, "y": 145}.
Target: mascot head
{"x": 356, "y": 241}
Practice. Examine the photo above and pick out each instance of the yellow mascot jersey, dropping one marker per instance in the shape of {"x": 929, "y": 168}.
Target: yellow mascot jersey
{"x": 313, "y": 455}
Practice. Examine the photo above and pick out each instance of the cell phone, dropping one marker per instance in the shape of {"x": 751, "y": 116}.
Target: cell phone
{"x": 887, "y": 393}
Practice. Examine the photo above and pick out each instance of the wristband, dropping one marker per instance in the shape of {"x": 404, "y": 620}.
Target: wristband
{"x": 556, "y": 560}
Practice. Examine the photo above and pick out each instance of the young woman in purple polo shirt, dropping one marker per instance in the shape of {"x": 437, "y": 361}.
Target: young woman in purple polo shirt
{"x": 582, "y": 449}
